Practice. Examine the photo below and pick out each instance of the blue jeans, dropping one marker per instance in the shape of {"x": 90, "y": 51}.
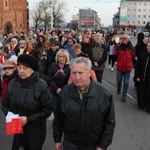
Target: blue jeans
{"x": 126, "y": 76}
{"x": 54, "y": 101}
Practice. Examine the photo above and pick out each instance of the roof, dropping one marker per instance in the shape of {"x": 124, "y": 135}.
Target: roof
{"x": 126, "y": 25}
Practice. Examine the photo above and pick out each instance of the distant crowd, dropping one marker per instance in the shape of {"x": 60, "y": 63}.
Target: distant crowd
{"x": 62, "y": 71}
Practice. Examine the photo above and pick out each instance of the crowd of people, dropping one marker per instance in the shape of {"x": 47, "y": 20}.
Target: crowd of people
{"x": 61, "y": 71}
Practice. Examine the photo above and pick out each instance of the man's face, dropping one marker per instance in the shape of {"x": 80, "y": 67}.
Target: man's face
{"x": 80, "y": 75}
{"x": 77, "y": 51}
{"x": 125, "y": 40}
{"x": 148, "y": 47}
{"x": 97, "y": 40}
{"x": 145, "y": 40}
{"x": 54, "y": 47}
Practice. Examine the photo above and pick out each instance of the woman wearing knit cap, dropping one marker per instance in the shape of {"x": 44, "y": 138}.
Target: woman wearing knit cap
{"x": 10, "y": 72}
{"x": 28, "y": 96}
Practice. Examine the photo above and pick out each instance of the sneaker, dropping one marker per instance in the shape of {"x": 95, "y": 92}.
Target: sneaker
{"x": 118, "y": 91}
{"x": 112, "y": 68}
{"x": 124, "y": 99}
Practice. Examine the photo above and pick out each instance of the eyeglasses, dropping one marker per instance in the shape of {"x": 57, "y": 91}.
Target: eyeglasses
{"x": 124, "y": 38}
{"x": 8, "y": 68}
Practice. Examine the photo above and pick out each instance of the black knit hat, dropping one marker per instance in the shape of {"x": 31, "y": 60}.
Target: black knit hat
{"x": 30, "y": 60}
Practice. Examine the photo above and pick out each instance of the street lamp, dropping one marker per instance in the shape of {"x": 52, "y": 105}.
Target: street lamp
{"x": 51, "y": 6}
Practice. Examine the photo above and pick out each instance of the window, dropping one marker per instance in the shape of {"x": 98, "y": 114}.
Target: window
{"x": 144, "y": 16}
{"x": 128, "y": 16}
{"x": 138, "y": 22}
{"x": 139, "y": 16}
{"x": 143, "y": 22}
{"x": 145, "y": 4}
{"x": 139, "y": 10}
{"x": 140, "y": 4}
{"x": 148, "y": 16}
{"x": 6, "y": 4}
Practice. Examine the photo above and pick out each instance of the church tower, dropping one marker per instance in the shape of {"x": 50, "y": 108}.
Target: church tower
{"x": 14, "y": 15}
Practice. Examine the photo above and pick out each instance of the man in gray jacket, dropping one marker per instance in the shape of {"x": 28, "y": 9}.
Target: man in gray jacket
{"x": 98, "y": 56}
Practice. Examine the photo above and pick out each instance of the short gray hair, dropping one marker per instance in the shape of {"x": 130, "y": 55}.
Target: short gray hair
{"x": 78, "y": 60}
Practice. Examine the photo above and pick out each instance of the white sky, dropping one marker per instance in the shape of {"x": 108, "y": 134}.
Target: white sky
{"x": 105, "y": 8}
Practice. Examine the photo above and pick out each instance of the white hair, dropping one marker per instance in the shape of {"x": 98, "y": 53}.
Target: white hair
{"x": 78, "y": 60}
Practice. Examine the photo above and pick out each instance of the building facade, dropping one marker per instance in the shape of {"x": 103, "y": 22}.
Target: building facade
{"x": 88, "y": 18}
{"x": 14, "y": 15}
{"x": 135, "y": 12}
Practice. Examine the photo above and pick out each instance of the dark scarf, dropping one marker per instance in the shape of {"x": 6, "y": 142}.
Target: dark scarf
{"x": 8, "y": 78}
{"x": 25, "y": 82}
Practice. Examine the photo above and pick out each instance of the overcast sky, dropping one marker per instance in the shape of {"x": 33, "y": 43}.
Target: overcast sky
{"x": 105, "y": 8}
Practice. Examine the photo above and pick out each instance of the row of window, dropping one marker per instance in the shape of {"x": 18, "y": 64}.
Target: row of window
{"x": 139, "y": 4}
{"x": 138, "y": 22}
{"x": 139, "y": 10}
{"x": 139, "y": 16}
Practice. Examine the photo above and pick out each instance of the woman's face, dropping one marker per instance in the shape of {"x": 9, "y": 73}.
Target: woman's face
{"x": 9, "y": 70}
{"x": 86, "y": 39}
{"x": 62, "y": 58}
{"x": 9, "y": 46}
{"x": 30, "y": 46}
{"x": 24, "y": 72}
{"x": 41, "y": 39}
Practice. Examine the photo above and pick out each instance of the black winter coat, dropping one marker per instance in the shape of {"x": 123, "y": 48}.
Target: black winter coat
{"x": 34, "y": 102}
{"x": 142, "y": 71}
{"x": 56, "y": 78}
{"x": 88, "y": 122}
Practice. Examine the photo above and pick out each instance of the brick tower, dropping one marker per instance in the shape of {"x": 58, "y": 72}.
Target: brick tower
{"x": 14, "y": 15}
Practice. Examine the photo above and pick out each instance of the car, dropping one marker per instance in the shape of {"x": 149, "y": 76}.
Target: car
{"x": 146, "y": 33}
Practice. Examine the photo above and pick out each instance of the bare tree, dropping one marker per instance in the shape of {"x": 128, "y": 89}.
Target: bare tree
{"x": 45, "y": 17}
{"x": 36, "y": 16}
{"x": 58, "y": 9}
{"x": 42, "y": 13}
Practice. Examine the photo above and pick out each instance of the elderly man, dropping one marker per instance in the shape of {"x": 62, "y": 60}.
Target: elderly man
{"x": 126, "y": 54}
{"x": 98, "y": 56}
{"x": 85, "y": 114}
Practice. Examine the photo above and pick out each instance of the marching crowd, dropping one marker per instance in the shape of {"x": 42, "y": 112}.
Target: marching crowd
{"x": 61, "y": 72}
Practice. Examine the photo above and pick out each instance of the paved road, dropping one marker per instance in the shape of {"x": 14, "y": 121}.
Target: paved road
{"x": 132, "y": 124}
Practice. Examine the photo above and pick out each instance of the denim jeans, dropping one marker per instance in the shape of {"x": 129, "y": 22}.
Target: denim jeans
{"x": 54, "y": 101}
{"x": 99, "y": 75}
{"x": 126, "y": 77}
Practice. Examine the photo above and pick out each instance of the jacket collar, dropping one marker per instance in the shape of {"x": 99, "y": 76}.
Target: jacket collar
{"x": 74, "y": 92}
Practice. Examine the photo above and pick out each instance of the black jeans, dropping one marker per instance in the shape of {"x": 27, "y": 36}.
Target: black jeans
{"x": 99, "y": 75}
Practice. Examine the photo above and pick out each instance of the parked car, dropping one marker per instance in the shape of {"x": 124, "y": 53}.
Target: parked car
{"x": 146, "y": 33}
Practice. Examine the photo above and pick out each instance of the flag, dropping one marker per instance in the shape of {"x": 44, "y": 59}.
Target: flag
{"x": 13, "y": 124}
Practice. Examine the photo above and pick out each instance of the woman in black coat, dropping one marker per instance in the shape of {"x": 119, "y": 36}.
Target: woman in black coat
{"x": 58, "y": 75}
{"x": 142, "y": 73}
{"x": 28, "y": 96}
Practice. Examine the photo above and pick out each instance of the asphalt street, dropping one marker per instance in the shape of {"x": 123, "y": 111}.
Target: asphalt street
{"x": 132, "y": 124}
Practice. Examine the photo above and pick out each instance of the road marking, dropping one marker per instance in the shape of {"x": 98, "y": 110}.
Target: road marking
{"x": 116, "y": 89}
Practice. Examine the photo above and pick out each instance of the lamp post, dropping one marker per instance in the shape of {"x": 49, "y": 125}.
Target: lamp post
{"x": 51, "y": 6}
